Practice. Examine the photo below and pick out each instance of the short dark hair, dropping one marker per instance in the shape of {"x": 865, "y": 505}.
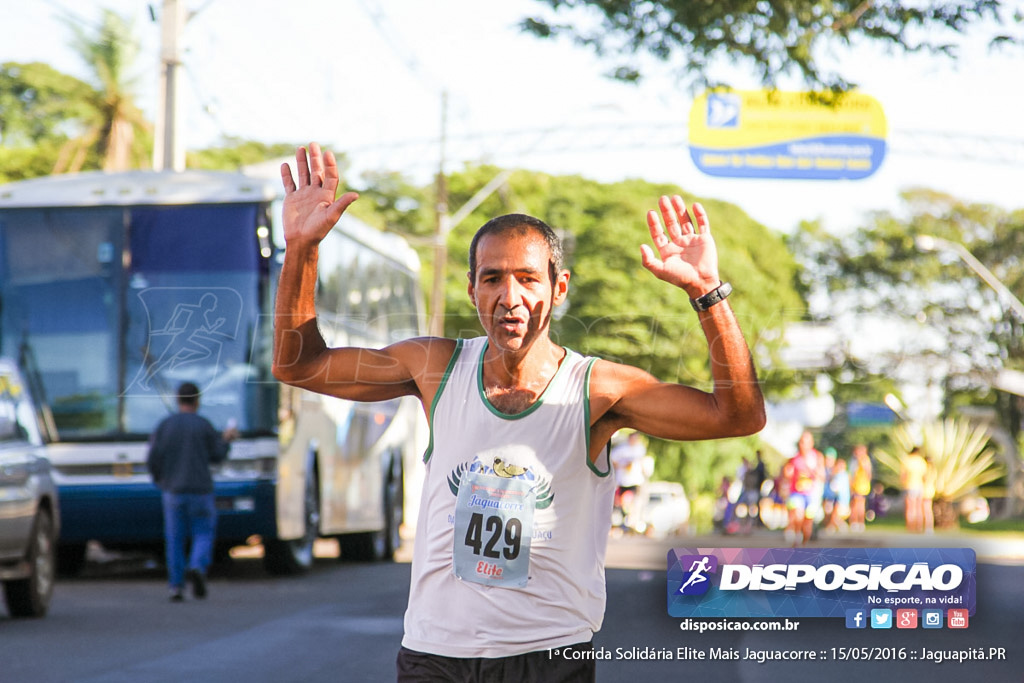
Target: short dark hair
{"x": 518, "y": 223}
{"x": 188, "y": 394}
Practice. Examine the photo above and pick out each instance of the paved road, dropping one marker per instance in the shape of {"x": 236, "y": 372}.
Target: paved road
{"x": 342, "y": 622}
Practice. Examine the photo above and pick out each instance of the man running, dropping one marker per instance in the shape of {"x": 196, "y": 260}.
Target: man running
{"x": 510, "y": 543}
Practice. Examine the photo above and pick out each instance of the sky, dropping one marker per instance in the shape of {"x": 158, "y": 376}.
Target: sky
{"x": 365, "y": 77}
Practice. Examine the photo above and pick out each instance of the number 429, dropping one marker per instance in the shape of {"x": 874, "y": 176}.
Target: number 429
{"x": 511, "y": 532}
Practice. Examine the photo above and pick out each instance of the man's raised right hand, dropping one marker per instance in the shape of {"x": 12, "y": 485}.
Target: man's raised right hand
{"x": 310, "y": 209}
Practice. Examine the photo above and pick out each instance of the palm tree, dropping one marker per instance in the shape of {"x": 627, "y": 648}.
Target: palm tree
{"x": 960, "y": 453}
{"x": 118, "y": 130}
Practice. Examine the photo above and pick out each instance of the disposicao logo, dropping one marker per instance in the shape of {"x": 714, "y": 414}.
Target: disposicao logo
{"x": 826, "y": 582}
{"x": 696, "y": 580}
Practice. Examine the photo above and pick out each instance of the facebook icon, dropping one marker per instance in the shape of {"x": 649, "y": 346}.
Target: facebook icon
{"x": 856, "y": 618}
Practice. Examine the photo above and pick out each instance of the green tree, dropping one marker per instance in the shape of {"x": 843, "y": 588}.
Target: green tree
{"x": 117, "y": 128}
{"x": 234, "y": 153}
{"x": 881, "y": 269}
{"x": 36, "y": 102}
{"x": 40, "y": 108}
{"x": 773, "y": 37}
{"x": 391, "y": 201}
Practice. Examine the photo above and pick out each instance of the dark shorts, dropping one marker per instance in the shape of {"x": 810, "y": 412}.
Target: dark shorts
{"x": 572, "y": 664}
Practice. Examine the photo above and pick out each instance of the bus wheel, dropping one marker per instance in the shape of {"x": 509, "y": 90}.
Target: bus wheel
{"x": 394, "y": 511}
{"x": 30, "y": 597}
{"x": 371, "y": 546}
{"x": 283, "y": 557}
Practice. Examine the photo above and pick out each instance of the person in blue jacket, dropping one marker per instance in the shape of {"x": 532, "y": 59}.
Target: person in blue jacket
{"x": 181, "y": 451}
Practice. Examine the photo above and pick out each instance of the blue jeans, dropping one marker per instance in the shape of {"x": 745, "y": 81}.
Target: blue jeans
{"x": 188, "y": 514}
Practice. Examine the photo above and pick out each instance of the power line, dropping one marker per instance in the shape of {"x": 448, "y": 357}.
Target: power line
{"x": 963, "y": 146}
{"x": 528, "y": 142}
{"x": 397, "y": 44}
{"x": 207, "y": 104}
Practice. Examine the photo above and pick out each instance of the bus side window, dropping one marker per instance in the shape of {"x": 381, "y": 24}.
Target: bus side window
{"x": 346, "y": 277}
{"x": 402, "y": 306}
{"x": 356, "y": 313}
{"x": 377, "y": 295}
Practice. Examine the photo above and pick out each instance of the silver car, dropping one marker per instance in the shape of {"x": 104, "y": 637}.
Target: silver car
{"x": 664, "y": 508}
{"x": 29, "y": 513}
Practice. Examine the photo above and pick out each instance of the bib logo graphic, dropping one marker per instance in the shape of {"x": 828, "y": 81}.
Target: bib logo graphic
{"x": 505, "y": 470}
{"x": 696, "y": 579}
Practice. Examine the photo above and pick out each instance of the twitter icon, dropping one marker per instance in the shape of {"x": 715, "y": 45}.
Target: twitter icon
{"x": 881, "y": 618}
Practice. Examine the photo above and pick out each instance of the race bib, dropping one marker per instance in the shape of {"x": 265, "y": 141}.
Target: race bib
{"x": 493, "y": 528}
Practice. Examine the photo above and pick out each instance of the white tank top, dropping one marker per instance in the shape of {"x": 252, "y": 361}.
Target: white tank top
{"x": 493, "y": 463}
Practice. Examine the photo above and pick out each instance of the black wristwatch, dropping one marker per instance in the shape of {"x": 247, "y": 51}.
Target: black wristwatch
{"x": 716, "y": 295}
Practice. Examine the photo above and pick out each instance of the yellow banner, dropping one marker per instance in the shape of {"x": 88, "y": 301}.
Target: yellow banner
{"x": 762, "y": 134}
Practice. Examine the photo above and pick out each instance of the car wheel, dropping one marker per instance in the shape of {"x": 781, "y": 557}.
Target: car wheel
{"x": 30, "y": 597}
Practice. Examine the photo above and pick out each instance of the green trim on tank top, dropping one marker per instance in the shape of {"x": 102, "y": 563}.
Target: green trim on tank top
{"x": 586, "y": 423}
{"x": 459, "y": 343}
{"x": 536, "y": 404}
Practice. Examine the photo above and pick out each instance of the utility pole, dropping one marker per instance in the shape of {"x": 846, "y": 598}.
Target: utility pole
{"x": 442, "y": 228}
{"x": 446, "y": 222}
{"x": 168, "y": 152}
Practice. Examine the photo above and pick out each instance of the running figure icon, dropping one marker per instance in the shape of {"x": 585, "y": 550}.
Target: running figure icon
{"x": 194, "y": 333}
{"x": 697, "y": 573}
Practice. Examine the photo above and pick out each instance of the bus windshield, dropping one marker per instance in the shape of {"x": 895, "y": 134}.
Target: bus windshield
{"x": 117, "y": 306}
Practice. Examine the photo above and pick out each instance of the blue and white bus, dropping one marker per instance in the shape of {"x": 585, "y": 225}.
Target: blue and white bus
{"x": 115, "y": 288}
